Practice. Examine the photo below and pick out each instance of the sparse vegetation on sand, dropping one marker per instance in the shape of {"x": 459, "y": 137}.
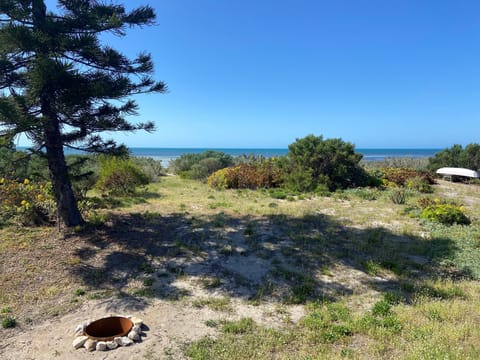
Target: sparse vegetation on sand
{"x": 350, "y": 275}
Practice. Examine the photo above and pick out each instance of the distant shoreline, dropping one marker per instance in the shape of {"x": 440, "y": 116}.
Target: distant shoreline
{"x": 369, "y": 154}
{"x": 168, "y": 154}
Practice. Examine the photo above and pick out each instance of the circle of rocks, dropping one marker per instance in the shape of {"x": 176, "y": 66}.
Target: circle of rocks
{"x": 81, "y": 340}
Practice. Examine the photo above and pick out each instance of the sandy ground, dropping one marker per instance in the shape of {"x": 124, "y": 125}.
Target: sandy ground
{"x": 171, "y": 325}
{"x": 53, "y": 339}
{"x": 167, "y": 327}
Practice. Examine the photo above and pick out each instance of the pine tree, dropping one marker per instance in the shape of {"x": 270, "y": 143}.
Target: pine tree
{"x": 62, "y": 88}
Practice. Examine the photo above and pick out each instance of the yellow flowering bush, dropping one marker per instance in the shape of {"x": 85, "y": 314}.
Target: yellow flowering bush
{"x": 26, "y": 202}
{"x": 218, "y": 179}
{"x": 442, "y": 211}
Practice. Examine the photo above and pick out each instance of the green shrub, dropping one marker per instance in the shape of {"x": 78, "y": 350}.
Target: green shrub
{"x": 203, "y": 169}
{"x": 365, "y": 193}
{"x": 419, "y": 184}
{"x": 447, "y": 214}
{"x": 26, "y": 203}
{"x": 242, "y": 326}
{"x": 322, "y": 190}
{"x": 299, "y": 179}
{"x": 150, "y": 167}
{"x": 457, "y": 156}
{"x": 382, "y": 308}
{"x": 336, "y": 332}
{"x": 201, "y": 166}
{"x": 328, "y": 322}
{"x": 278, "y": 194}
{"x": 313, "y": 161}
{"x": 393, "y": 298}
{"x": 79, "y": 292}
{"x": 398, "y": 196}
{"x": 6, "y": 310}
{"x": 119, "y": 176}
{"x": 9, "y": 322}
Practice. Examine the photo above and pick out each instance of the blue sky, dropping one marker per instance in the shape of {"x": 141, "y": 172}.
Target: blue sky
{"x": 261, "y": 73}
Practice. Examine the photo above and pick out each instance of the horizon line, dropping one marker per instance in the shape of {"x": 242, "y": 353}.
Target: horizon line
{"x": 260, "y": 148}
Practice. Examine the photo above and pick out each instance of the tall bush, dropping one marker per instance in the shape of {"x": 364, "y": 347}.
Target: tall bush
{"x": 313, "y": 162}
{"x": 457, "y": 156}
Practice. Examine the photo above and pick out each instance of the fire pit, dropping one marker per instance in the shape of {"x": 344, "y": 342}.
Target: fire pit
{"x": 108, "y": 333}
{"x": 107, "y": 329}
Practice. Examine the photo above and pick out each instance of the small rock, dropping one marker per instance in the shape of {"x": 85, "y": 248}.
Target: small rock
{"x": 112, "y": 345}
{"x": 79, "y": 341}
{"x": 133, "y": 335}
{"x": 136, "y": 321}
{"x": 90, "y": 345}
{"x": 101, "y": 346}
{"x": 81, "y": 327}
{"x": 137, "y": 329}
{"x": 123, "y": 341}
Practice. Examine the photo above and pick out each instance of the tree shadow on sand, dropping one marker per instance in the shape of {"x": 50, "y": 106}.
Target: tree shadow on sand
{"x": 272, "y": 258}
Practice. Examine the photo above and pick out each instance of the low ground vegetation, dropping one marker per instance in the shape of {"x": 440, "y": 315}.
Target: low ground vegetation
{"x": 350, "y": 275}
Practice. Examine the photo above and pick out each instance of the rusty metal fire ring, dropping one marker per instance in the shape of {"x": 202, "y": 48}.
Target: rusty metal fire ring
{"x": 108, "y": 328}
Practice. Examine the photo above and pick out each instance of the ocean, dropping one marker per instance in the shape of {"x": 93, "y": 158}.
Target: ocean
{"x": 168, "y": 154}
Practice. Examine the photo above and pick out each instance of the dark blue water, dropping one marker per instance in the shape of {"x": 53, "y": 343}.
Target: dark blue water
{"x": 382, "y": 154}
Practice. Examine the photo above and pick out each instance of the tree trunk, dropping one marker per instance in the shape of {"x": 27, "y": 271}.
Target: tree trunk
{"x": 66, "y": 203}
{"x": 62, "y": 188}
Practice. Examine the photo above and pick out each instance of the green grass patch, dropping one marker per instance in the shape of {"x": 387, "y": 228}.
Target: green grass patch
{"x": 242, "y": 326}
{"x": 9, "y": 322}
{"x": 217, "y": 304}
